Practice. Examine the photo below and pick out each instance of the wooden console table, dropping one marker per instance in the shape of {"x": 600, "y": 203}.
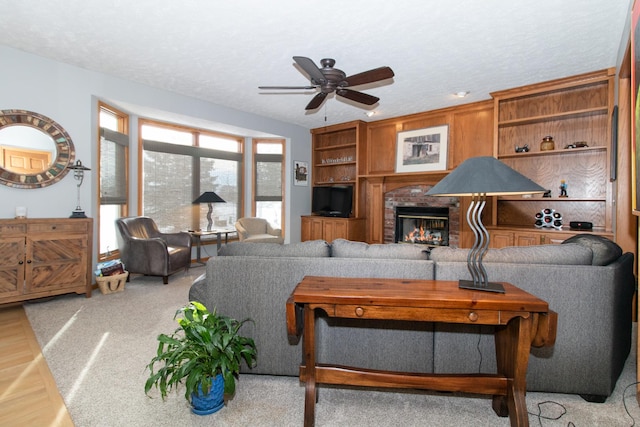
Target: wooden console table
{"x": 522, "y": 320}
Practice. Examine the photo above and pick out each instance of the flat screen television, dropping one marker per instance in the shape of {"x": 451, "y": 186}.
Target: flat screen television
{"x": 332, "y": 201}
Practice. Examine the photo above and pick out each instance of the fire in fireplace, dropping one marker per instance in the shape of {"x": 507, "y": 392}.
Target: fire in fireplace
{"x": 422, "y": 225}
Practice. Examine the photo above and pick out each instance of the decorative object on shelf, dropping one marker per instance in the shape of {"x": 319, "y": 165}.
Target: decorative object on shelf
{"x": 78, "y": 173}
{"x": 422, "y": 150}
{"x": 21, "y": 212}
{"x": 547, "y": 144}
{"x": 300, "y": 173}
{"x": 480, "y": 177}
{"x": 549, "y": 218}
{"x": 580, "y": 144}
{"x": 547, "y": 194}
{"x": 563, "y": 189}
{"x": 581, "y": 225}
{"x": 523, "y": 149}
{"x": 209, "y": 197}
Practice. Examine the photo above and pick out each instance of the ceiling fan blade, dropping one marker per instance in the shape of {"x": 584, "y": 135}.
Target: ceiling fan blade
{"x": 310, "y": 68}
{"x": 370, "y": 76}
{"x": 287, "y": 87}
{"x": 316, "y": 101}
{"x": 356, "y": 96}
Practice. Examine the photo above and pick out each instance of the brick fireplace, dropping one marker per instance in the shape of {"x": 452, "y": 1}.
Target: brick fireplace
{"x": 414, "y": 196}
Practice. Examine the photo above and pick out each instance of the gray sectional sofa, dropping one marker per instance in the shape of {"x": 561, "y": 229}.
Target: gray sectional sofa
{"x": 593, "y": 302}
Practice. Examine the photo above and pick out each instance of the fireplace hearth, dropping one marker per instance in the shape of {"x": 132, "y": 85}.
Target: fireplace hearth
{"x": 424, "y": 225}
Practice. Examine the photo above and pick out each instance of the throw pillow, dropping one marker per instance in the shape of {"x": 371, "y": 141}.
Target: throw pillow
{"x": 342, "y": 248}
{"x": 311, "y": 248}
{"x": 604, "y": 250}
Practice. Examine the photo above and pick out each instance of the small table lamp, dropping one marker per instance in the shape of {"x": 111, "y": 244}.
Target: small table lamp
{"x": 480, "y": 177}
{"x": 78, "y": 173}
{"x": 209, "y": 197}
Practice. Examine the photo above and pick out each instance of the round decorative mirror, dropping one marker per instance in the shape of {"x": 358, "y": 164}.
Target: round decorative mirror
{"x": 35, "y": 151}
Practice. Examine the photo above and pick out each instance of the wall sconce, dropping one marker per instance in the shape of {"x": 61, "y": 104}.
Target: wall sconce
{"x": 78, "y": 173}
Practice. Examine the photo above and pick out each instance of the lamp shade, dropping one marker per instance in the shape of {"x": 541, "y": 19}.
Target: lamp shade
{"x": 209, "y": 197}
{"x": 484, "y": 175}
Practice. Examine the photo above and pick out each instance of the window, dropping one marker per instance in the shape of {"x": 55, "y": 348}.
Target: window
{"x": 113, "y": 183}
{"x": 179, "y": 164}
{"x": 267, "y": 180}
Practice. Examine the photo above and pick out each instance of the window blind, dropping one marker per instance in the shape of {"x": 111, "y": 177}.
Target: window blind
{"x": 113, "y": 167}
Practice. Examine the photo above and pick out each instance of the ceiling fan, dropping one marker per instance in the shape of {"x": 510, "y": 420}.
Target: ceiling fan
{"x": 328, "y": 79}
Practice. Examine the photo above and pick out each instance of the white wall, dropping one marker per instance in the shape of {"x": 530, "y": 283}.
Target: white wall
{"x": 68, "y": 95}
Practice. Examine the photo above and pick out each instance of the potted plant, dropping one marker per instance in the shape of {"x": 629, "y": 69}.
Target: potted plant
{"x": 204, "y": 353}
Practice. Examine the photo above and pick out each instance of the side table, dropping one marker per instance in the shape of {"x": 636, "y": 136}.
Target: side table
{"x": 198, "y": 234}
{"x": 521, "y": 320}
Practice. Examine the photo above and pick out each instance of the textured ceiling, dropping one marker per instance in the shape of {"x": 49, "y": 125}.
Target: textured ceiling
{"x": 221, "y": 51}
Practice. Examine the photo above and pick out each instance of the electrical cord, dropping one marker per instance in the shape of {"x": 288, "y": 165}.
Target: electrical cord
{"x": 549, "y": 417}
{"x": 624, "y": 402}
{"x": 539, "y": 415}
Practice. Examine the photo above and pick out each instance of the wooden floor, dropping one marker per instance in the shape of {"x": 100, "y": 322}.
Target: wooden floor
{"x": 28, "y": 393}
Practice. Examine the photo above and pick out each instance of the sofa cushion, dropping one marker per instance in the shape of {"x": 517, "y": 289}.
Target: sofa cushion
{"x": 341, "y": 248}
{"x": 571, "y": 254}
{"x": 311, "y": 248}
{"x": 604, "y": 250}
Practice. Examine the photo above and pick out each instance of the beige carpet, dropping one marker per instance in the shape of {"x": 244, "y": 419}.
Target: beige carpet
{"x": 97, "y": 349}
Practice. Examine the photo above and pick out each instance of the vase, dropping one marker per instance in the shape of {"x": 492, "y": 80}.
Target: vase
{"x": 547, "y": 144}
{"x": 211, "y": 402}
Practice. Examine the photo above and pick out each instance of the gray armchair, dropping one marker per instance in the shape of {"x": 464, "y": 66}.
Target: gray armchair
{"x": 145, "y": 250}
{"x": 258, "y": 230}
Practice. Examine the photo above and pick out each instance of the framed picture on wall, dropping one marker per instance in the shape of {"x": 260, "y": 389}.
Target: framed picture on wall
{"x": 300, "y": 173}
{"x": 422, "y": 150}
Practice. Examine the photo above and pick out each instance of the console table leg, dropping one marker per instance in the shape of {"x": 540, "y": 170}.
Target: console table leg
{"x": 513, "y": 344}
{"x": 310, "y": 363}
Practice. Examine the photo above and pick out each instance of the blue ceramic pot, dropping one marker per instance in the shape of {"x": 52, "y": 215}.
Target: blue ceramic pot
{"x": 212, "y": 402}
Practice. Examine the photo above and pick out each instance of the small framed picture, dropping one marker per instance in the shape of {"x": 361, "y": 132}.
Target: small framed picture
{"x": 422, "y": 150}
{"x": 300, "y": 173}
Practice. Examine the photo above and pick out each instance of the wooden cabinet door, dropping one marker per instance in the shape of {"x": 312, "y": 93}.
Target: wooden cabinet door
{"x": 526, "y": 239}
{"x": 553, "y": 238}
{"x": 500, "y": 239}
{"x": 56, "y": 261}
{"x": 12, "y": 258}
{"x": 305, "y": 229}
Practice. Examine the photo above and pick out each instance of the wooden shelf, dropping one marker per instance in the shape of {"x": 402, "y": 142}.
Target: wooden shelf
{"x": 570, "y": 110}
{"x": 335, "y": 147}
{"x": 560, "y": 116}
{"x": 551, "y": 199}
{"x": 323, "y": 165}
{"x": 561, "y": 151}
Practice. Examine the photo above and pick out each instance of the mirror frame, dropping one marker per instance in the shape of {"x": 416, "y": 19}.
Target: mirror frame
{"x": 65, "y": 151}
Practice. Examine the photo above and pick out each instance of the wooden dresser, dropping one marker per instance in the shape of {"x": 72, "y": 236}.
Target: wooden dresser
{"x": 45, "y": 256}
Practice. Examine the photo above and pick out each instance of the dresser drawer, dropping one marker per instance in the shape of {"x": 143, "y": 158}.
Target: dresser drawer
{"x": 58, "y": 227}
{"x": 6, "y": 229}
{"x": 480, "y": 317}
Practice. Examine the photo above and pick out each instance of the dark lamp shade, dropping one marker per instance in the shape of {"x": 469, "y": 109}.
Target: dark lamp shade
{"x": 484, "y": 175}
{"x": 209, "y": 197}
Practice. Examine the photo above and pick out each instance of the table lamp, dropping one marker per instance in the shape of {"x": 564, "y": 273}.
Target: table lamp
{"x": 78, "y": 173}
{"x": 209, "y": 197}
{"x": 480, "y": 177}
